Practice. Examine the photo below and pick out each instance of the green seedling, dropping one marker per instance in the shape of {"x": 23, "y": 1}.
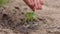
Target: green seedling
{"x": 2, "y": 2}
{"x": 30, "y": 17}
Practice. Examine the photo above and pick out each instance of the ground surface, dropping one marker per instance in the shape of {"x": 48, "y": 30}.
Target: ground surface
{"x": 12, "y": 14}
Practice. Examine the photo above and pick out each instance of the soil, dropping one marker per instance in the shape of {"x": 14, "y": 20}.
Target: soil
{"x": 13, "y": 13}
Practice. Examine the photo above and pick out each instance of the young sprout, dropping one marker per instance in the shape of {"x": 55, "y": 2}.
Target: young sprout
{"x": 2, "y": 2}
{"x": 30, "y": 18}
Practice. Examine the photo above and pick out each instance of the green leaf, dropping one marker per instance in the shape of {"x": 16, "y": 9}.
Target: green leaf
{"x": 29, "y": 15}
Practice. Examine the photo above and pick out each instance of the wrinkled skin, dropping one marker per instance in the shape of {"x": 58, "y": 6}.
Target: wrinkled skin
{"x": 34, "y": 4}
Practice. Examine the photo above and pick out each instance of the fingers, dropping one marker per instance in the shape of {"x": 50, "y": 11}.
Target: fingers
{"x": 34, "y": 4}
{"x": 37, "y": 4}
{"x": 42, "y": 2}
{"x": 30, "y": 2}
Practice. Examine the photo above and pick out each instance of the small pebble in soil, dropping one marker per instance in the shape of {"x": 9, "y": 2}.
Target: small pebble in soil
{"x": 31, "y": 26}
